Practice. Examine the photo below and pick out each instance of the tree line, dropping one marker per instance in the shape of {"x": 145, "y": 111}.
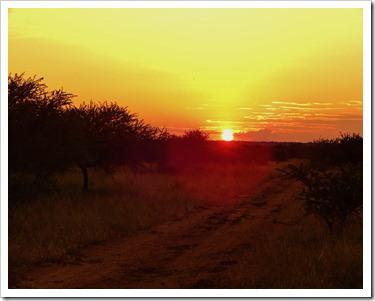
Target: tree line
{"x": 49, "y": 134}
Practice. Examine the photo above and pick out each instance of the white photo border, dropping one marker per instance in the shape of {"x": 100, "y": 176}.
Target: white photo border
{"x": 218, "y": 293}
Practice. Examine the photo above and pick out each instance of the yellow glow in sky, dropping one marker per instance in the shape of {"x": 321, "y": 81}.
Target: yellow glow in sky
{"x": 268, "y": 74}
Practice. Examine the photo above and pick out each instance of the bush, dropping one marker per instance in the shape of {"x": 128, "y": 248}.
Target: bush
{"x": 332, "y": 194}
{"x": 348, "y": 148}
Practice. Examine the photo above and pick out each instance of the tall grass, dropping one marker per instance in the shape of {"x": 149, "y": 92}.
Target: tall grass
{"x": 307, "y": 256}
{"x": 58, "y": 225}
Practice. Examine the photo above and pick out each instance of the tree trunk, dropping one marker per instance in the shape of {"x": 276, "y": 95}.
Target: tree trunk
{"x": 85, "y": 178}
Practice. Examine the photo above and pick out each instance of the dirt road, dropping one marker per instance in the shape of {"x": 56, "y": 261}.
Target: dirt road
{"x": 202, "y": 250}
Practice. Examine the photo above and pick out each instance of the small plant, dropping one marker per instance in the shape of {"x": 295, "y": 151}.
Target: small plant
{"x": 332, "y": 194}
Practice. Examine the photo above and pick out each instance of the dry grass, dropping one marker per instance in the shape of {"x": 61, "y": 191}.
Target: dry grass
{"x": 303, "y": 256}
{"x": 221, "y": 185}
{"x": 58, "y": 225}
{"x": 307, "y": 256}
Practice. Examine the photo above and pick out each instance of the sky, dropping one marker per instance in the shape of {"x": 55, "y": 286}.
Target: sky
{"x": 265, "y": 74}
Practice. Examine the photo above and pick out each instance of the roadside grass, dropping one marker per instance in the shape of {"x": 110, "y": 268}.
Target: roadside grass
{"x": 308, "y": 256}
{"x": 57, "y": 226}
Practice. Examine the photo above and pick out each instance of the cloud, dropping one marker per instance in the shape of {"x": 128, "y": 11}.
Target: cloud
{"x": 270, "y": 135}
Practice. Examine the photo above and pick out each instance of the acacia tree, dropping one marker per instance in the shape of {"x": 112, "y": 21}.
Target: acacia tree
{"x": 37, "y": 142}
{"x": 47, "y": 133}
{"x": 100, "y": 133}
{"x": 106, "y": 135}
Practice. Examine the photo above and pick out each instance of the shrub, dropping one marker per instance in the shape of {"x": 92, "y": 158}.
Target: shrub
{"x": 332, "y": 194}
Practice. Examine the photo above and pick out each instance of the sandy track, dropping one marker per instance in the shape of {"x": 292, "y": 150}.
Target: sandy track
{"x": 201, "y": 250}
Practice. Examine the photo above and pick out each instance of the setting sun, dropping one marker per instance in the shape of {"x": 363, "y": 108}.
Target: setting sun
{"x": 204, "y": 130}
{"x": 204, "y": 63}
{"x": 227, "y": 135}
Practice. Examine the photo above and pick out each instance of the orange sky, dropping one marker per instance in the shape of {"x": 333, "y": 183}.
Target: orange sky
{"x": 267, "y": 74}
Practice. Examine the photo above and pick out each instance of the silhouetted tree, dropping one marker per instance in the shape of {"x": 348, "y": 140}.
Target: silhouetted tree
{"x": 333, "y": 190}
{"x": 347, "y": 148}
{"x": 104, "y": 135}
{"x": 37, "y": 142}
{"x": 195, "y": 136}
{"x": 187, "y": 150}
{"x": 47, "y": 133}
